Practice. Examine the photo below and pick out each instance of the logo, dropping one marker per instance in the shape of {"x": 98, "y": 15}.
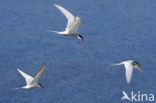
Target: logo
{"x": 137, "y": 96}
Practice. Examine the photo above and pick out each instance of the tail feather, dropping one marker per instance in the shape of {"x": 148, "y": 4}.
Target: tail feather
{"x": 116, "y": 64}
{"x": 16, "y": 88}
{"x": 55, "y": 32}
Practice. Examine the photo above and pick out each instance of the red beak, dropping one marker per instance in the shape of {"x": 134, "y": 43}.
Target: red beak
{"x": 83, "y": 40}
{"x": 42, "y": 87}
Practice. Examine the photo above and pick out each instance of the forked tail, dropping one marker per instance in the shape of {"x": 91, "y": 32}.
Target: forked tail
{"x": 55, "y": 32}
{"x": 116, "y": 64}
{"x": 16, "y": 88}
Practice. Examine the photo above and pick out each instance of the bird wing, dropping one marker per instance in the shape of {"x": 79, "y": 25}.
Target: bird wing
{"x": 39, "y": 74}
{"x": 68, "y": 15}
{"x": 27, "y": 77}
{"x": 75, "y": 26}
{"x": 138, "y": 67}
{"x": 129, "y": 71}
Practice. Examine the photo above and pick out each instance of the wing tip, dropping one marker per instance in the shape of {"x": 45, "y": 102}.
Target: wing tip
{"x": 56, "y": 5}
{"x": 43, "y": 65}
{"x": 18, "y": 69}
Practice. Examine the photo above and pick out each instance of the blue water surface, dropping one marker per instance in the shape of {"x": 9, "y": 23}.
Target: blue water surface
{"x": 76, "y": 71}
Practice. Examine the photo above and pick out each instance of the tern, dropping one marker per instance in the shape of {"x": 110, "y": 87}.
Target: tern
{"x": 129, "y": 65}
{"x": 72, "y": 25}
{"x": 31, "y": 82}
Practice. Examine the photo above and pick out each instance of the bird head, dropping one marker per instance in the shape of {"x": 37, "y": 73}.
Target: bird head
{"x": 81, "y": 38}
{"x": 137, "y": 65}
{"x": 40, "y": 86}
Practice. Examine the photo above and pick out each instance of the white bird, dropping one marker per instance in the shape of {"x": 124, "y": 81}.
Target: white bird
{"x": 72, "y": 25}
{"x": 129, "y": 65}
{"x": 125, "y": 96}
{"x": 31, "y": 82}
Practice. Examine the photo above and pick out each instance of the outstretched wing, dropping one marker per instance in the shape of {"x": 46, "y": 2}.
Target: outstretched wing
{"x": 76, "y": 25}
{"x": 27, "y": 77}
{"x": 39, "y": 74}
{"x": 138, "y": 67}
{"x": 129, "y": 71}
{"x": 68, "y": 15}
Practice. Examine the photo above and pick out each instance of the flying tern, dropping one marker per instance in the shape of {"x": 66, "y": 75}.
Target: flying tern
{"x": 31, "y": 82}
{"x": 129, "y": 65}
{"x": 73, "y": 24}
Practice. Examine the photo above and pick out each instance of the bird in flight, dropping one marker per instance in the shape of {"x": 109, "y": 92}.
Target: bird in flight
{"x": 73, "y": 24}
{"x": 31, "y": 82}
{"x": 129, "y": 65}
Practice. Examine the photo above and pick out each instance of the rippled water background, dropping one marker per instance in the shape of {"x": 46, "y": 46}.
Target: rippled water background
{"x": 76, "y": 72}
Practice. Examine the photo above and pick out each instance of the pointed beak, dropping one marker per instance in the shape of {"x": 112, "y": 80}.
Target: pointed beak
{"x": 83, "y": 40}
{"x": 42, "y": 87}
